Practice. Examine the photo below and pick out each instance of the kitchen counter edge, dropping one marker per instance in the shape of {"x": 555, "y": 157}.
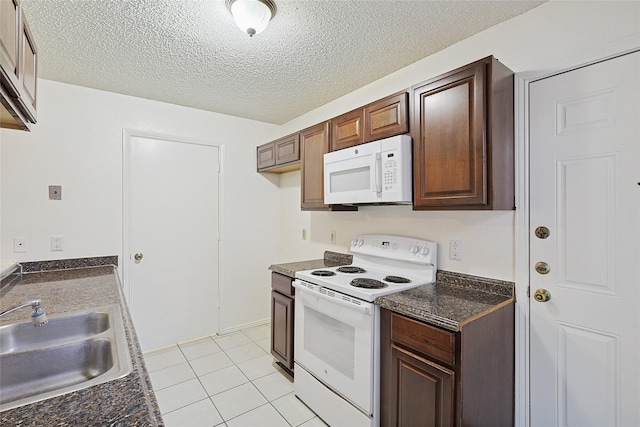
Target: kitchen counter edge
{"x": 127, "y": 401}
{"x": 451, "y": 302}
{"x": 331, "y": 259}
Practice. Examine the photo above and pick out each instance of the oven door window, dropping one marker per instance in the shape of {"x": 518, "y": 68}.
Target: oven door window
{"x": 335, "y": 344}
{"x": 333, "y": 341}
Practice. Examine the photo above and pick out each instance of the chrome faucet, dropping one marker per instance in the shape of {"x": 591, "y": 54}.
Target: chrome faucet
{"x": 38, "y": 317}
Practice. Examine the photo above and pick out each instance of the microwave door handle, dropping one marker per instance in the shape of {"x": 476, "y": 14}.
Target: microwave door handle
{"x": 378, "y": 172}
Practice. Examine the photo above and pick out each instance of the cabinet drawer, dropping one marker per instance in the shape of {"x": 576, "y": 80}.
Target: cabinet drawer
{"x": 427, "y": 339}
{"x": 281, "y": 283}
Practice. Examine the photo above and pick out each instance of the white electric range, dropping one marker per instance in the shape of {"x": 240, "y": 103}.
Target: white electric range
{"x": 337, "y": 325}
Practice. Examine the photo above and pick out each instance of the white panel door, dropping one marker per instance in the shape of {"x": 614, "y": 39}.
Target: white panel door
{"x": 585, "y": 188}
{"x": 171, "y": 211}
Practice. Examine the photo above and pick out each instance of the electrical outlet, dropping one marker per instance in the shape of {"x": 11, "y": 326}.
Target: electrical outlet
{"x": 20, "y": 244}
{"x": 304, "y": 234}
{"x": 57, "y": 243}
{"x": 455, "y": 250}
{"x": 333, "y": 237}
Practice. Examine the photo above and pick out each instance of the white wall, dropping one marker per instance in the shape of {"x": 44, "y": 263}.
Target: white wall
{"x": 77, "y": 143}
{"x": 543, "y": 37}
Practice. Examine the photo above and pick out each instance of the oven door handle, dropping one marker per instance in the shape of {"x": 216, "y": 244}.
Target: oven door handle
{"x": 364, "y": 309}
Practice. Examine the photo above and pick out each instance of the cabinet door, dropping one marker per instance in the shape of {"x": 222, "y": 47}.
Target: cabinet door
{"x": 282, "y": 328}
{"x": 347, "y": 130}
{"x": 28, "y": 71}
{"x": 9, "y": 44}
{"x": 449, "y": 152}
{"x": 315, "y": 143}
{"x": 266, "y": 155}
{"x": 422, "y": 393}
{"x": 287, "y": 149}
{"x": 386, "y": 117}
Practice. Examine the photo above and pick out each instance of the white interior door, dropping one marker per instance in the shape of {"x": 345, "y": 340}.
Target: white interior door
{"x": 171, "y": 222}
{"x": 585, "y": 188}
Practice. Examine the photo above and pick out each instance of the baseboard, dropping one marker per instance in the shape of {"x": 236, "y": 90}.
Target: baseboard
{"x": 244, "y": 326}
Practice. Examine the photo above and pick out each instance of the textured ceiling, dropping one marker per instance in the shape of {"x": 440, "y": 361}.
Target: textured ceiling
{"x": 189, "y": 52}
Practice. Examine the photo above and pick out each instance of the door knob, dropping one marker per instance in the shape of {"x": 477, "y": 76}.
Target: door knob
{"x": 542, "y": 295}
{"x": 138, "y": 256}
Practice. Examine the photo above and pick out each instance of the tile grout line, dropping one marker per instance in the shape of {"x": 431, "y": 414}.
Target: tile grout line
{"x": 209, "y": 397}
{"x": 197, "y": 377}
{"x": 268, "y": 402}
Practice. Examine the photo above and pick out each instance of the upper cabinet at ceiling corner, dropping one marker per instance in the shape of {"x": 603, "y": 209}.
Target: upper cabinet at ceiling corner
{"x": 461, "y": 123}
{"x": 380, "y": 119}
{"x": 462, "y": 129}
{"x": 281, "y": 155}
{"x": 18, "y": 68}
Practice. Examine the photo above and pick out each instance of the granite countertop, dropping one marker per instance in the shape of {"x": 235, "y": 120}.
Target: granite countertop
{"x": 331, "y": 259}
{"x": 452, "y": 301}
{"x": 127, "y": 401}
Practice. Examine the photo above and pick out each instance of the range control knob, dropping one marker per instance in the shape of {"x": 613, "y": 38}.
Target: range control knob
{"x": 415, "y": 249}
{"x": 354, "y": 242}
{"x": 360, "y": 242}
{"x": 425, "y": 251}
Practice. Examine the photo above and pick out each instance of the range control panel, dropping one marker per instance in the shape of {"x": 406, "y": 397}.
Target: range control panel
{"x": 399, "y": 248}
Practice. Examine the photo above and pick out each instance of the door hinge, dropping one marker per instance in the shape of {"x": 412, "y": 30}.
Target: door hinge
{"x": 528, "y": 291}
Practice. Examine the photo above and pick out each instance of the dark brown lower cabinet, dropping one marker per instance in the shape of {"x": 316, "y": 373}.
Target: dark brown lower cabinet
{"x": 282, "y": 306}
{"x": 433, "y": 377}
{"x": 433, "y": 405}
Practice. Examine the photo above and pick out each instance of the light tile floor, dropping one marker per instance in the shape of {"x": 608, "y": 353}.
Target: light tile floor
{"x": 229, "y": 380}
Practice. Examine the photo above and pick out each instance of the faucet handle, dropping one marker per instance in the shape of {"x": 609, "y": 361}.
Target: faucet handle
{"x": 39, "y": 317}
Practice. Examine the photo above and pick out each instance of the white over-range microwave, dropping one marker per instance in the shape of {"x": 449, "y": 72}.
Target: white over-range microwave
{"x": 377, "y": 172}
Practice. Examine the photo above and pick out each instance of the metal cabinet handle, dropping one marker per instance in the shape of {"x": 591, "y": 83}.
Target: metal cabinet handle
{"x": 138, "y": 256}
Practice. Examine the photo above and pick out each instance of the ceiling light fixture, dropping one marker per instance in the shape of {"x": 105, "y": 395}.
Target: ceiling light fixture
{"x": 252, "y": 16}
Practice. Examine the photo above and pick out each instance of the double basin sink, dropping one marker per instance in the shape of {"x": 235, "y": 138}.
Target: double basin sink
{"x": 72, "y": 352}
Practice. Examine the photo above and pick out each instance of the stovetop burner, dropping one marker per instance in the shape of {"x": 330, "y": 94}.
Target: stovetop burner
{"x": 351, "y": 269}
{"x": 323, "y": 273}
{"x": 382, "y": 265}
{"x": 362, "y": 282}
{"x": 396, "y": 279}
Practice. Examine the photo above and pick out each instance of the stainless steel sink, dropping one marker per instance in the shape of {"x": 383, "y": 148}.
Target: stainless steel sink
{"x": 23, "y": 336}
{"x": 82, "y": 349}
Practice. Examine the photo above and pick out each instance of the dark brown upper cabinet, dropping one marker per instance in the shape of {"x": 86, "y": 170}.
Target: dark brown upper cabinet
{"x": 281, "y": 155}
{"x": 386, "y": 117}
{"x": 314, "y": 143}
{"x": 462, "y": 129}
{"x": 18, "y": 68}
{"x": 380, "y": 119}
{"x": 347, "y": 130}
{"x": 9, "y": 44}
